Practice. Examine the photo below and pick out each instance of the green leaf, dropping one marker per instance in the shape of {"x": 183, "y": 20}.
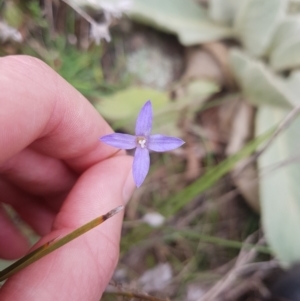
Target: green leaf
{"x": 222, "y": 11}
{"x": 12, "y": 14}
{"x": 80, "y": 68}
{"x": 256, "y": 23}
{"x": 285, "y": 47}
{"x": 259, "y": 84}
{"x": 196, "y": 234}
{"x": 279, "y": 188}
{"x": 287, "y": 57}
{"x": 293, "y": 86}
{"x": 182, "y": 17}
{"x": 123, "y": 107}
{"x": 97, "y": 5}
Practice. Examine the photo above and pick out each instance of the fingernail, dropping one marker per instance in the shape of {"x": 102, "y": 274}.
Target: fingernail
{"x": 128, "y": 188}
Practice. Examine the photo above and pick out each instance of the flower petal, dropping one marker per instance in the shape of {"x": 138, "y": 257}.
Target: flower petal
{"x": 144, "y": 121}
{"x": 161, "y": 143}
{"x": 141, "y": 164}
{"x": 122, "y": 141}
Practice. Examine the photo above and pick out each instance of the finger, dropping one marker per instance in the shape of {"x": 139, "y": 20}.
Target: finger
{"x": 63, "y": 122}
{"x": 12, "y": 243}
{"x": 38, "y": 174}
{"x": 30, "y": 209}
{"x": 81, "y": 269}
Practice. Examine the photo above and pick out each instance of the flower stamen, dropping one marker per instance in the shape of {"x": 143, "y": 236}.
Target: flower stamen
{"x": 141, "y": 141}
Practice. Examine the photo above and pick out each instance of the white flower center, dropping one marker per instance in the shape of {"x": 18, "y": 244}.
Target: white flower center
{"x": 141, "y": 141}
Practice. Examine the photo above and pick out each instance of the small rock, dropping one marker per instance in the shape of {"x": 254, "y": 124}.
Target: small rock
{"x": 153, "y": 219}
{"x": 156, "y": 279}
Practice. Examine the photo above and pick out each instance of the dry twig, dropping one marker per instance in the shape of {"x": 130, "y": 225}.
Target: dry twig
{"x": 130, "y": 294}
{"x": 228, "y": 281}
{"x": 139, "y": 296}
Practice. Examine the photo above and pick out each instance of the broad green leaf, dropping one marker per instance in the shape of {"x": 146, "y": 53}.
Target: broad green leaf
{"x": 222, "y": 11}
{"x": 196, "y": 90}
{"x": 125, "y": 104}
{"x": 185, "y": 18}
{"x": 279, "y": 188}
{"x": 285, "y": 47}
{"x": 293, "y": 86}
{"x": 123, "y": 107}
{"x": 240, "y": 65}
{"x": 287, "y": 57}
{"x": 287, "y": 30}
{"x": 259, "y": 84}
{"x": 111, "y": 5}
{"x": 256, "y": 22}
{"x": 236, "y": 4}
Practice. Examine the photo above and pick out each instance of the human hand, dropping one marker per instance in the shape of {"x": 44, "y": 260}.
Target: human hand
{"x": 57, "y": 176}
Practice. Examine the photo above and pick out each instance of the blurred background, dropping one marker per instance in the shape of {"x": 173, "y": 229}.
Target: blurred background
{"x": 219, "y": 218}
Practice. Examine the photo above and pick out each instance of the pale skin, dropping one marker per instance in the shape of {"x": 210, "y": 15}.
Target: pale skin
{"x": 57, "y": 176}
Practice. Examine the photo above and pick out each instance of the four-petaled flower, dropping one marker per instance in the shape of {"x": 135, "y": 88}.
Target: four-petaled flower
{"x": 143, "y": 142}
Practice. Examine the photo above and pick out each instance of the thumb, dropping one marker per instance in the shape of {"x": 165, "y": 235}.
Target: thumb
{"x": 81, "y": 269}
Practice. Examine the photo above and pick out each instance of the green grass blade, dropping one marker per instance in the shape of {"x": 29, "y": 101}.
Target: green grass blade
{"x": 51, "y": 246}
{"x": 173, "y": 204}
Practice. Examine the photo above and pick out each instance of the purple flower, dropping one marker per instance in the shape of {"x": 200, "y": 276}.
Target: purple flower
{"x": 143, "y": 142}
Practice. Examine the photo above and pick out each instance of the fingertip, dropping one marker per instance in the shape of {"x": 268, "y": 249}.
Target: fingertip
{"x": 102, "y": 187}
{"x": 21, "y": 63}
{"x": 129, "y": 187}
